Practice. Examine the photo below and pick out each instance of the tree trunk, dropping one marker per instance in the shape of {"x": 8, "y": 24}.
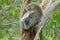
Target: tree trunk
{"x": 29, "y": 35}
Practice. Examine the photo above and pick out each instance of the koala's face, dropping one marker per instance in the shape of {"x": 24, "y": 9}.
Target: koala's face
{"x": 30, "y": 7}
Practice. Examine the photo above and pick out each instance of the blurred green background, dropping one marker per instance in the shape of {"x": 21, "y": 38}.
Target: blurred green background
{"x": 9, "y": 21}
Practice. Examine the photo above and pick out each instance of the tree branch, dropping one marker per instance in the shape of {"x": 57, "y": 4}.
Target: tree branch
{"x": 24, "y": 4}
{"x": 22, "y": 11}
{"x": 47, "y": 13}
{"x": 45, "y": 3}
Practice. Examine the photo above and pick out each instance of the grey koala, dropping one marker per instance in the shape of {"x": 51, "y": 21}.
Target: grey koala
{"x": 32, "y": 16}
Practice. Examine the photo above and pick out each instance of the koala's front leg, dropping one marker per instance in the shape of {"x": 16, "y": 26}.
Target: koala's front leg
{"x": 24, "y": 25}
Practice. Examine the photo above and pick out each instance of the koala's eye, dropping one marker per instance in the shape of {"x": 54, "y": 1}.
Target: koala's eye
{"x": 28, "y": 8}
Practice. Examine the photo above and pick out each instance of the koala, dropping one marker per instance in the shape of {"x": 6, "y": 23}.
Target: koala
{"x": 32, "y": 16}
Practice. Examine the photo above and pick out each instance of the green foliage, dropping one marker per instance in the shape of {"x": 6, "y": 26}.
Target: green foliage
{"x": 52, "y": 27}
{"x": 9, "y": 19}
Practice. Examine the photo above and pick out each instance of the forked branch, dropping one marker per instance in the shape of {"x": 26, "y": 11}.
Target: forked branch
{"x": 48, "y": 7}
